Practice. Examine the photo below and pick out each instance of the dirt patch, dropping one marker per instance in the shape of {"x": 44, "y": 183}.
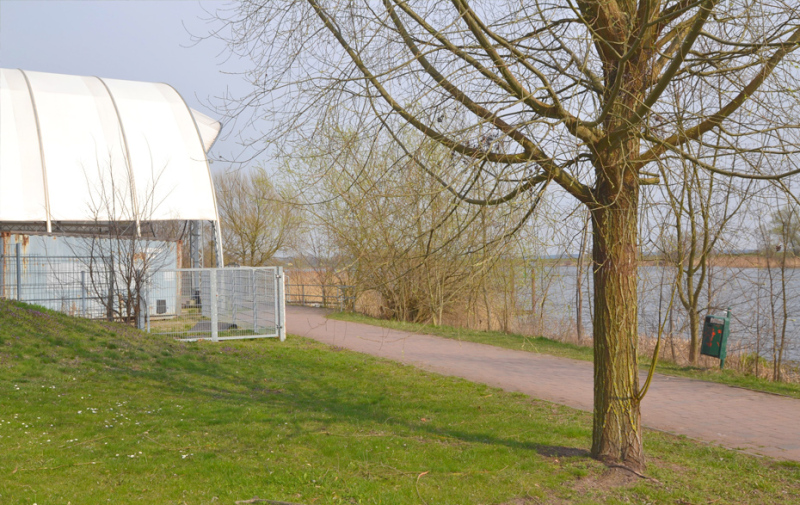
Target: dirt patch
{"x": 613, "y": 478}
{"x": 595, "y": 485}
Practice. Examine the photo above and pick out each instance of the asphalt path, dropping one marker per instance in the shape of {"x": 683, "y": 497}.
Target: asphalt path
{"x": 759, "y": 423}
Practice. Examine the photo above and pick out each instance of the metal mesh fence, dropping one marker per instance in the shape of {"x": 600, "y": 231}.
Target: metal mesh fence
{"x": 69, "y": 284}
{"x": 328, "y": 296}
{"x": 217, "y": 303}
{"x": 188, "y": 304}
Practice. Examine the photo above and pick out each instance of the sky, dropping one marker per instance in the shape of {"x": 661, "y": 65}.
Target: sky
{"x": 138, "y": 40}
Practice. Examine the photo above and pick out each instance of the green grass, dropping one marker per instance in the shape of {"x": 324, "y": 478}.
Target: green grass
{"x": 99, "y": 413}
{"x": 566, "y": 350}
{"x": 728, "y": 377}
{"x": 497, "y": 338}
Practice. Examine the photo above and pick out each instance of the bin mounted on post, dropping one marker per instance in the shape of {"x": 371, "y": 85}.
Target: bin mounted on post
{"x": 715, "y": 337}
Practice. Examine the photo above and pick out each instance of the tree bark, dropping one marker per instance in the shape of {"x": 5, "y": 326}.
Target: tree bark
{"x": 617, "y": 434}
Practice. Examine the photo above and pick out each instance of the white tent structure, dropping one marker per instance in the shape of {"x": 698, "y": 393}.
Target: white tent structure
{"x": 78, "y": 153}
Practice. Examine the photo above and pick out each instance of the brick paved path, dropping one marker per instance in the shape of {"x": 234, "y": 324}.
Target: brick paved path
{"x": 760, "y": 423}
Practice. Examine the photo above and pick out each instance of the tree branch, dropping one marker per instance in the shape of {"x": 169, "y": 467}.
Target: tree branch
{"x": 717, "y": 118}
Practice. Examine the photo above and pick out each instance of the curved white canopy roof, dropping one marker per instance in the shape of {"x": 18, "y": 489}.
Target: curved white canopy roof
{"x": 86, "y": 149}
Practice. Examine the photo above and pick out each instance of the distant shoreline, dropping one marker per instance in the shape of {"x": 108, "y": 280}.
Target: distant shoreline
{"x": 743, "y": 261}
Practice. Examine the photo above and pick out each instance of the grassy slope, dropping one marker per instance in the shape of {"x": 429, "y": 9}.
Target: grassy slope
{"x": 94, "y": 412}
{"x": 555, "y": 348}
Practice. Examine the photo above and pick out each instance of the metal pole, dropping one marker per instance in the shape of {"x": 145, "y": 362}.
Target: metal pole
{"x": 281, "y": 313}
{"x": 194, "y": 244}
{"x": 212, "y": 281}
{"x": 19, "y": 271}
{"x": 255, "y": 302}
{"x": 83, "y": 293}
{"x": 147, "y": 304}
{"x": 194, "y": 257}
{"x": 723, "y": 352}
{"x": 218, "y": 259}
{"x": 231, "y": 294}
{"x": 276, "y": 277}
{"x": 140, "y": 318}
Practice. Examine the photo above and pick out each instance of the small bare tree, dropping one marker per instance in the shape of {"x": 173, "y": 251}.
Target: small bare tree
{"x": 702, "y": 205}
{"x": 779, "y": 250}
{"x": 786, "y": 227}
{"x": 257, "y": 217}
{"x": 120, "y": 253}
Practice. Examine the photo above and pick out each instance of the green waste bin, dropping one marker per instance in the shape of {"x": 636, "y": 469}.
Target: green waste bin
{"x": 715, "y": 337}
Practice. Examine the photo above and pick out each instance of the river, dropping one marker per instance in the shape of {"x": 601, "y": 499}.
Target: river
{"x": 754, "y": 295}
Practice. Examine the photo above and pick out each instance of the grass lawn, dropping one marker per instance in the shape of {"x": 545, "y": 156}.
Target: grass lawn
{"x": 555, "y": 348}
{"x": 95, "y": 412}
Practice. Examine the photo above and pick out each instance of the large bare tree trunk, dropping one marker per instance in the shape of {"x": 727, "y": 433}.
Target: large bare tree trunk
{"x": 617, "y": 434}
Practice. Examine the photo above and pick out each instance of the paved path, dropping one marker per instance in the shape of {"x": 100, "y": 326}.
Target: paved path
{"x": 760, "y": 423}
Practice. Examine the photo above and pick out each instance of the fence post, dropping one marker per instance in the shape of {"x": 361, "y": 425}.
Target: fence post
{"x": 281, "y": 313}
{"x": 276, "y": 278}
{"x": 147, "y": 305}
{"x": 2, "y": 270}
{"x": 140, "y": 319}
{"x": 230, "y": 307}
{"x": 146, "y": 300}
{"x": 83, "y": 293}
{"x": 254, "y": 290}
{"x": 19, "y": 271}
{"x": 212, "y": 281}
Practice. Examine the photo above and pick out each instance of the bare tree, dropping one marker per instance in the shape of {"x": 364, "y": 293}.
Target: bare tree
{"x": 577, "y": 94}
{"x": 120, "y": 250}
{"x": 400, "y": 233}
{"x": 786, "y": 226}
{"x": 702, "y": 206}
{"x": 778, "y": 249}
{"x": 257, "y": 220}
{"x": 579, "y": 270}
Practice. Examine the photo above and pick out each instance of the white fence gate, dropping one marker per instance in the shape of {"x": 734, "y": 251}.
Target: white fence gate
{"x": 217, "y": 303}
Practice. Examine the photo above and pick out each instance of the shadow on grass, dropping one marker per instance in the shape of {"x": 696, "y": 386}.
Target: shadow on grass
{"x": 301, "y": 383}
{"x": 553, "y": 451}
{"x": 321, "y": 389}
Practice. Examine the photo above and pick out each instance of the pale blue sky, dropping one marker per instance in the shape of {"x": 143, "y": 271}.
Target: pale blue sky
{"x": 140, "y": 40}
